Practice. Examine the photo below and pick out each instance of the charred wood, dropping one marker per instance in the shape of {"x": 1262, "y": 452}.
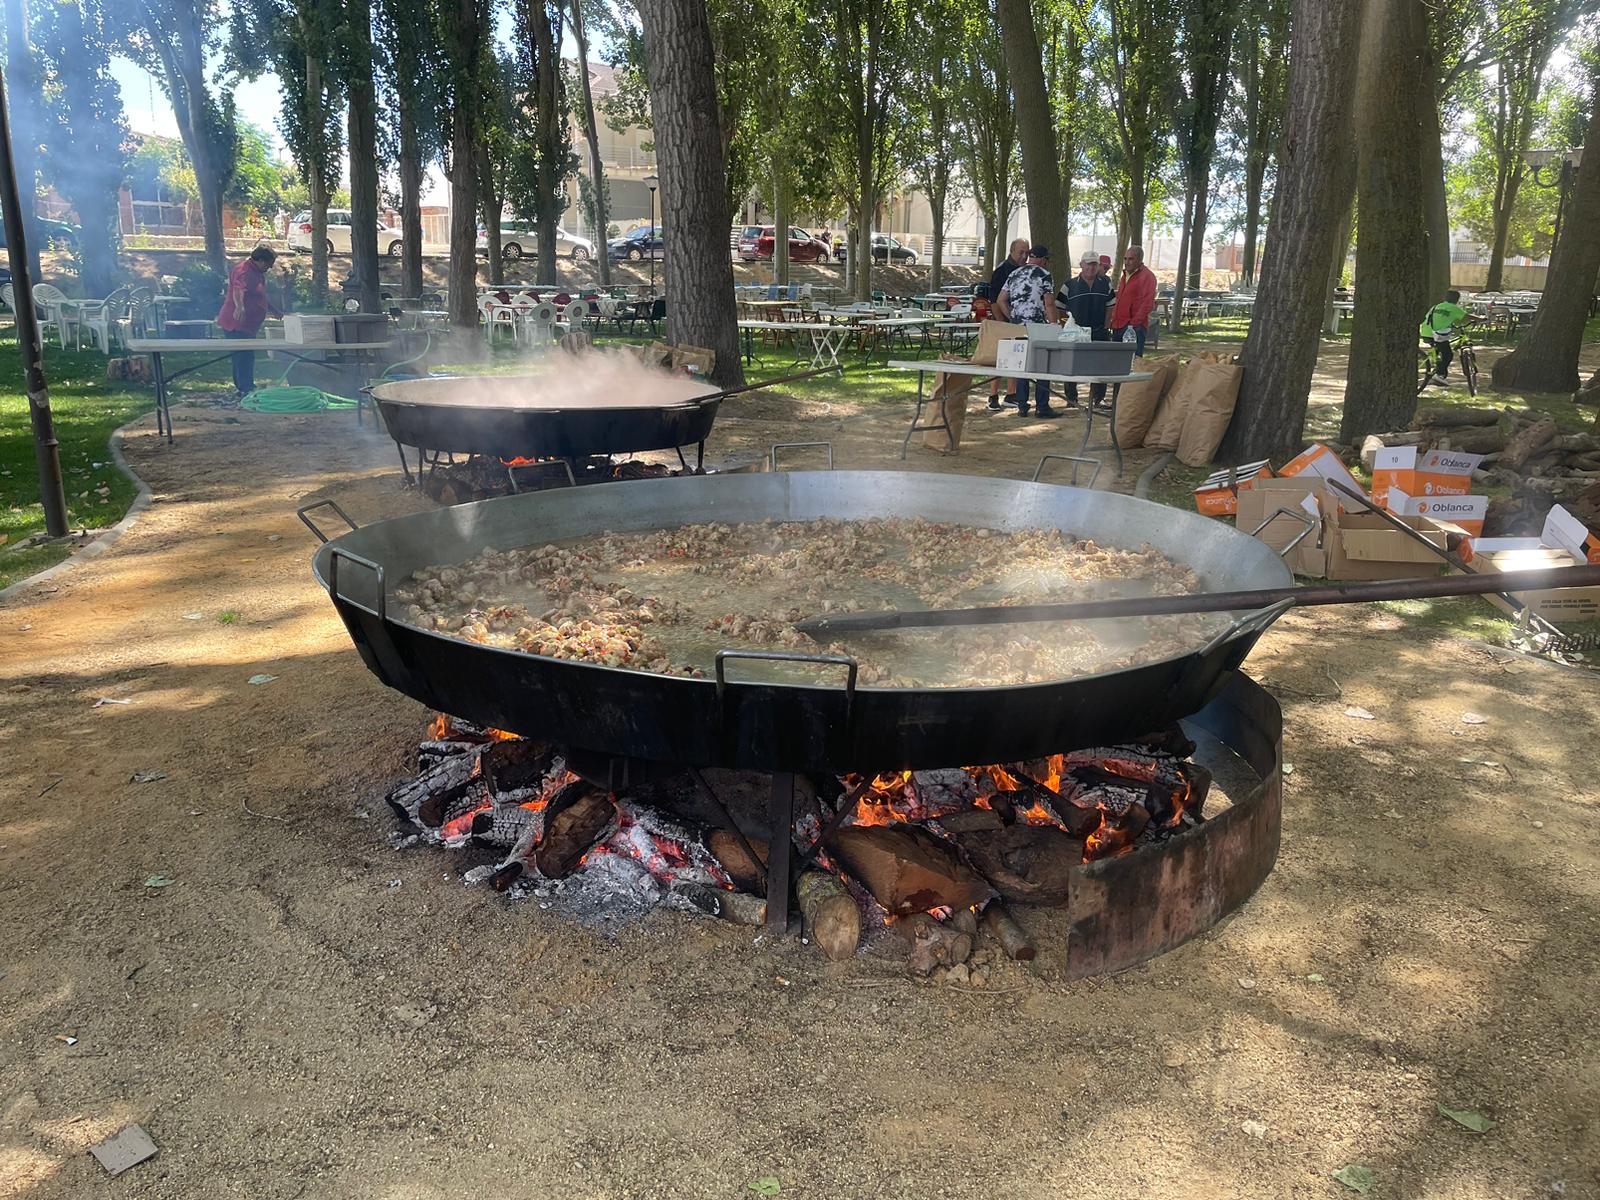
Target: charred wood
{"x": 1011, "y": 936}
{"x": 830, "y": 916}
{"x": 933, "y": 944}
{"x": 578, "y": 816}
{"x": 907, "y": 870}
{"x": 1027, "y": 864}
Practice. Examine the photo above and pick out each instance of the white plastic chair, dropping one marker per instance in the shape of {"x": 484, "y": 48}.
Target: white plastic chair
{"x": 575, "y": 314}
{"x": 99, "y": 319}
{"x": 52, "y": 313}
{"x": 540, "y": 322}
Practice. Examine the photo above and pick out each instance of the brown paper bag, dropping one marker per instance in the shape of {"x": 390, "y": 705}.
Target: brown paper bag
{"x": 990, "y": 335}
{"x": 658, "y": 354}
{"x": 1137, "y": 402}
{"x": 1215, "y": 388}
{"x": 684, "y": 357}
{"x": 1166, "y": 427}
{"x": 954, "y": 390}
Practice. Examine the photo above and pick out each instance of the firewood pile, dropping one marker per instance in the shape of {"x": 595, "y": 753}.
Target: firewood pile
{"x": 1523, "y": 452}
{"x": 930, "y": 860}
{"x": 482, "y": 477}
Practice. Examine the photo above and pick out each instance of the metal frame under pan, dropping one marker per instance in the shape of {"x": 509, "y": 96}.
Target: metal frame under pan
{"x": 411, "y": 419}
{"x": 831, "y": 726}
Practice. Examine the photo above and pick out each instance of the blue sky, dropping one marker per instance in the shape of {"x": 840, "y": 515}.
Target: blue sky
{"x": 149, "y": 111}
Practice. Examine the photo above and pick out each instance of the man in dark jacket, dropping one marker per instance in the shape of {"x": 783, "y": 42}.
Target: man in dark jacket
{"x": 1085, "y": 298}
{"x": 997, "y": 284}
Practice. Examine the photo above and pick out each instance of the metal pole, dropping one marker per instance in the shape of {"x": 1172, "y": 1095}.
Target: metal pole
{"x": 653, "y": 232}
{"x": 1561, "y": 202}
{"x": 52, "y": 493}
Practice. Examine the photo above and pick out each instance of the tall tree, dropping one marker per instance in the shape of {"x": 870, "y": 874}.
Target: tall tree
{"x": 694, "y": 198}
{"x": 541, "y": 32}
{"x": 408, "y": 80}
{"x": 1135, "y": 60}
{"x": 1391, "y": 244}
{"x": 173, "y": 38}
{"x": 1195, "y": 94}
{"x": 464, "y": 46}
{"x": 1280, "y": 352}
{"x": 27, "y": 123}
{"x": 1068, "y": 84}
{"x": 988, "y": 125}
{"x": 296, "y": 40}
{"x": 85, "y": 156}
{"x": 597, "y": 174}
{"x": 358, "y": 71}
{"x": 1041, "y": 163}
{"x": 501, "y": 156}
{"x": 930, "y": 151}
{"x": 1263, "y": 67}
{"x": 1546, "y": 360}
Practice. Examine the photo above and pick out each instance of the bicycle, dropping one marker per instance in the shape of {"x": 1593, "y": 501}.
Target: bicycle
{"x": 1465, "y": 357}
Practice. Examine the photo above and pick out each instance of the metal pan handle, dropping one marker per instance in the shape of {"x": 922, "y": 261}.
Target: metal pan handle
{"x": 338, "y": 552}
{"x": 1074, "y": 459}
{"x": 852, "y": 668}
{"x": 1251, "y": 622}
{"x": 311, "y": 525}
{"x": 772, "y": 455}
{"x": 1298, "y": 515}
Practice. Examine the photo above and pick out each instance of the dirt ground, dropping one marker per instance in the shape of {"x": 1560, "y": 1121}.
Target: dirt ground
{"x": 304, "y": 1012}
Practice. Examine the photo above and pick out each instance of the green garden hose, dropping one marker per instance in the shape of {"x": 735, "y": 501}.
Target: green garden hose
{"x": 286, "y": 399}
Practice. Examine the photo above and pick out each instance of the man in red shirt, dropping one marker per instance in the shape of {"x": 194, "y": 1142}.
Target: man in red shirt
{"x": 1136, "y": 297}
{"x": 243, "y": 310}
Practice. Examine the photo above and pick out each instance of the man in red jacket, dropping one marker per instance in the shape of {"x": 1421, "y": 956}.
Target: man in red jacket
{"x": 244, "y": 309}
{"x": 1136, "y": 297}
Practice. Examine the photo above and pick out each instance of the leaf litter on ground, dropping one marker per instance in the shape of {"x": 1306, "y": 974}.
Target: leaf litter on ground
{"x": 767, "y": 1185}
{"x": 1359, "y": 713}
{"x": 1466, "y": 1118}
{"x": 1356, "y": 1177}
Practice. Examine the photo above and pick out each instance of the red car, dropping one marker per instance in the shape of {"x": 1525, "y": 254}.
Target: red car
{"x": 802, "y": 246}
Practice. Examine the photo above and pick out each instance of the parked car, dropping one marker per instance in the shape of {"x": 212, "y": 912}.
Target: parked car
{"x": 339, "y": 234}
{"x": 520, "y": 239}
{"x": 58, "y": 233}
{"x": 643, "y": 242}
{"x": 885, "y": 248}
{"x": 802, "y": 246}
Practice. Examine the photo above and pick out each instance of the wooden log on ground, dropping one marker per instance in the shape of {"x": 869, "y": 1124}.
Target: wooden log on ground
{"x": 971, "y": 821}
{"x": 1526, "y": 443}
{"x": 1582, "y": 442}
{"x": 933, "y": 944}
{"x": 1438, "y": 415}
{"x": 1375, "y": 442}
{"x": 577, "y": 817}
{"x": 1011, "y": 936}
{"x": 1476, "y": 439}
{"x": 829, "y": 916}
{"x": 907, "y": 870}
{"x": 1027, "y": 864}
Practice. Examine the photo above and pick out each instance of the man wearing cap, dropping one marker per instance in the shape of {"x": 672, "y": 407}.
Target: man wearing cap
{"x": 1015, "y": 257}
{"x": 1085, "y": 298}
{"x": 1029, "y": 295}
{"x": 1136, "y": 297}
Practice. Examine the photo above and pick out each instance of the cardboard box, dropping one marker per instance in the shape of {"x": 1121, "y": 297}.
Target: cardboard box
{"x": 1565, "y": 532}
{"x": 1362, "y": 545}
{"x": 299, "y": 328}
{"x": 1218, "y": 495}
{"x": 1307, "y": 495}
{"x": 1466, "y": 511}
{"x": 1436, "y": 473}
{"x": 1011, "y": 354}
{"x": 1558, "y": 606}
{"x": 1319, "y": 461}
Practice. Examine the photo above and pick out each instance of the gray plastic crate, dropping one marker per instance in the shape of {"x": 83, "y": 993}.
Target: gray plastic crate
{"x": 1082, "y": 358}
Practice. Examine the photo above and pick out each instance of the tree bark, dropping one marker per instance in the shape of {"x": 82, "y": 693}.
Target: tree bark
{"x": 1280, "y": 352}
{"x": 491, "y": 202}
{"x": 316, "y": 179}
{"x": 1180, "y": 286}
{"x": 464, "y": 48}
{"x": 694, "y": 186}
{"x": 936, "y": 204}
{"x": 591, "y": 133}
{"x": 1341, "y": 252}
{"x": 1391, "y": 248}
{"x": 780, "y": 225}
{"x": 1041, "y": 165}
{"x": 363, "y": 141}
{"x": 1438, "y": 209}
{"x": 549, "y": 133}
{"x": 1252, "y": 221}
{"x": 1547, "y": 358}
{"x": 410, "y": 204}
{"x": 22, "y": 93}
{"x": 1197, "y": 231}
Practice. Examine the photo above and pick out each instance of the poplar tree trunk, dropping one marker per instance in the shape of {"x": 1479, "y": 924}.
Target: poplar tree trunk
{"x": 1341, "y": 252}
{"x": 410, "y": 204}
{"x": 317, "y": 182}
{"x": 22, "y": 95}
{"x": 1252, "y": 221}
{"x": 936, "y": 203}
{"x": 1391, "y": 249}
{"x": 363, "y": 136}
{"x": 1180, "y": 287}
{"x": 465, "y": 51}
{"x": 548, "y": 134}
{"x": 1280, "y": 352}
{"x": 1197, "y": 231}
{"x": 1438, "y": 209}
{"x": 489, "y": 199}
{"x": 1546, "y": 360}
{"x": 694, "y": 181}
{"x": 1041, "y": 169}
{"x": 597, "y": 177}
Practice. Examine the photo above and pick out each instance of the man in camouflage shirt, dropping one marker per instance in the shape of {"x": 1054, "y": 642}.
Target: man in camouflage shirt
{"x": 1030, "y": 295}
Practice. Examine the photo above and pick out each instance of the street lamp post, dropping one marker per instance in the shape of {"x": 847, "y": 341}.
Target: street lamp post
{"x": 1539, "y": 160}
{"x": 651, "y": 182}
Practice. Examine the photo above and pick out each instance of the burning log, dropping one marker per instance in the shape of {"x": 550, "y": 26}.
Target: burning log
{"x": 729, "y": 848}
{"x": 515, "y": 763}
{"x": 1027, "y": 864}
{"x": 907, "y": 870}
{"x": 429, "y": 798}
{"x": 1013, "y": 940}
{"x": 933, "y": 944}
{"x": 974, "y": 820}
{"x": 577, "y": 819}
{"x": 1117, "y": 832}
{"x": 831, "y": 918}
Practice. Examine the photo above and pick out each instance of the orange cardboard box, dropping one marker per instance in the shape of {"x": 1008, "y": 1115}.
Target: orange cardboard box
{"x": 1565, "y": 531}
{"x": 1436, "y": 473}
{"x": 1317, "y": 460}
{"x": 1218, "y": 496}
{"x": 1306, "y": 495}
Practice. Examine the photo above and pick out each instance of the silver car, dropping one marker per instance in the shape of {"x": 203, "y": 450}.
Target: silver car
{"x": 520, "y": 239}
